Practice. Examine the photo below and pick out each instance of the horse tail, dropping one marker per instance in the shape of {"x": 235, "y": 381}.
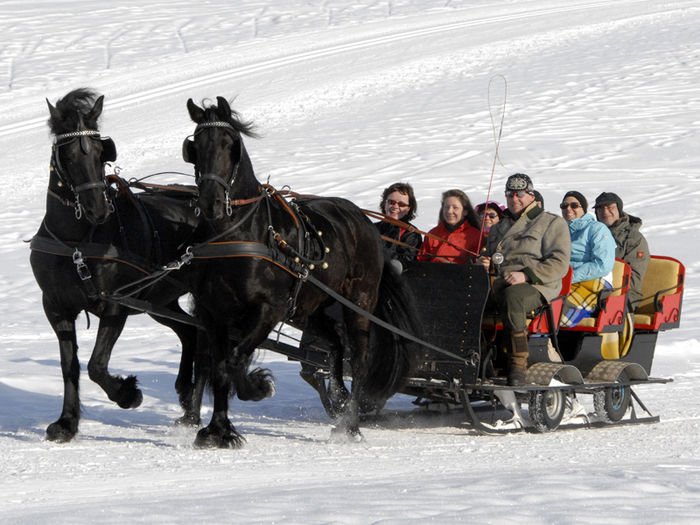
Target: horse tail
{"x": 392, "y": 358}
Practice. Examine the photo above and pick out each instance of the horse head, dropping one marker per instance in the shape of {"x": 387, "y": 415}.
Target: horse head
{"x": 79, "y": 155}
{"x": 223, "y": 170}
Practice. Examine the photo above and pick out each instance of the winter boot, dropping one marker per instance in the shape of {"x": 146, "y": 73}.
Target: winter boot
{"x": 519, "y": 353}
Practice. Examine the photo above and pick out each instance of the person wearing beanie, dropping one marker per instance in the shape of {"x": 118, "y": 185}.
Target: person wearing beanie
{"x": 539, "y": 199}
{"x": 592, "y": 258}
{"x": 631, "y": 245}
{"x": 535, "y": 247}
{"x": 489, "y": 213}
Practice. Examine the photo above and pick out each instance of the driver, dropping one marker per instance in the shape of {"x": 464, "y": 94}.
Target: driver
{"x": 535, "y": 246}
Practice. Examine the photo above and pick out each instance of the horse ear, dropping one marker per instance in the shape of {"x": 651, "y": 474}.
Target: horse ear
{"x": 196, "y": 113}
{"x": 96, "y": 110}
{"x": 55, "y": 114}
{"x": 224, "y": 107}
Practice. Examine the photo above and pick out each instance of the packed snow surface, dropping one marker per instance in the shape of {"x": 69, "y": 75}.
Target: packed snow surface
{"x": 350, "y": 96}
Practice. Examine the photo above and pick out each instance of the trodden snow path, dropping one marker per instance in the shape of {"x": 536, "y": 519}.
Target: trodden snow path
{"x": 349, "y": 97}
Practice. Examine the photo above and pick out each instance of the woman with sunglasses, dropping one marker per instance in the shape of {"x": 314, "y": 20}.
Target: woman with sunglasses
{"x": 399, "y": 204}
{"x": 489, "y": 213}
{"x": 458, "y": 231}
{"x": 592, "y": 257}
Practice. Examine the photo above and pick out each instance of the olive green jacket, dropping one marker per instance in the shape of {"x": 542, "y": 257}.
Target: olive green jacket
{"x": 538, "y": 244}
{"x": 632, "y": 248}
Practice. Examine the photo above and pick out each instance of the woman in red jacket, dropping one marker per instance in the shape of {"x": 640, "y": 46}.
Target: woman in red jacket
{"x": 458, "y": 226}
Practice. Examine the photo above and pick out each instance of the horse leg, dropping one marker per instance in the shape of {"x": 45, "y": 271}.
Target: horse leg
{"x": 66, "y": 426}
{"x": 259, "y": 383}
{"x": 325, "y": 330}
{"x": 189, "y": 383}
{"x": 220, "y": 432}
{"x": 230, "y": 376}
{"x": 358, "y": 334}
{"x": 121, "y": 390}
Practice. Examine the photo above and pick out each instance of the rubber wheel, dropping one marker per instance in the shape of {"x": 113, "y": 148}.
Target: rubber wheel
{"x": 611, "y": 403}
{"x": 547, "y": 408}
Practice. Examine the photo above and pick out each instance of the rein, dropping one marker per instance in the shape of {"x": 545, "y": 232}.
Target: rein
{"x": 408, "y": 227}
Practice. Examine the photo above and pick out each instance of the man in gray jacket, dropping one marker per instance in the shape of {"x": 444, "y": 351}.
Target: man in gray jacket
{"x": 631, "y": 247}
{"x": 530, "y": 249}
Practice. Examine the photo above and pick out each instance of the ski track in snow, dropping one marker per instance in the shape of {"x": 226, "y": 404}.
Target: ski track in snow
{"x": 351, "y": 96}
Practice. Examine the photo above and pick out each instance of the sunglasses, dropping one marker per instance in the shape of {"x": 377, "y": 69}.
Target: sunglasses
{"x": 491, "y": 215}
{"x": 572, "y": 205}
{"x": 392, "y": 202}
{"x": 519, "y": 193}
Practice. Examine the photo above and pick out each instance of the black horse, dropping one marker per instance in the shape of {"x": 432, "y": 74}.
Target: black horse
{"x": 94, "y": 240}
{"x": 261, "y": 253}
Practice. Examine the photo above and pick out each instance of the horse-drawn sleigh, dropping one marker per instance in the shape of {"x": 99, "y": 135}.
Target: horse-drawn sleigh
{"x": 252, "y": 258}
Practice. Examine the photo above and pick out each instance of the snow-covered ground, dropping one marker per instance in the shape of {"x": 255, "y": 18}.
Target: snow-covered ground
{"x": 351, "y": 96}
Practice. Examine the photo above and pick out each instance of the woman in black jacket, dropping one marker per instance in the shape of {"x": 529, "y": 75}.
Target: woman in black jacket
{"x": 399, "y": 203}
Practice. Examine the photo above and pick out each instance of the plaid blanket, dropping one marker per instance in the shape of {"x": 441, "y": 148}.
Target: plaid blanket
{"x": 582, "y": 302}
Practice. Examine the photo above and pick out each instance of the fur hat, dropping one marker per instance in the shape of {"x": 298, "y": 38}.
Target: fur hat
{"x": 608, "y": 197}
{"x": 519, "y": 181}
{"x": 579, "y": 197}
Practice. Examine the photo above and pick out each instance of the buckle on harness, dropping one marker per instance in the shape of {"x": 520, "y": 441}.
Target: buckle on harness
{"x": 184, "y": 259}
{"x": 80, "y": 266}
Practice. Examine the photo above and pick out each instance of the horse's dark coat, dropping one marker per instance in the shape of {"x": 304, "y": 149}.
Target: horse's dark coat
{"x": 148, "y": 228}
{"x": 244, "y": 298}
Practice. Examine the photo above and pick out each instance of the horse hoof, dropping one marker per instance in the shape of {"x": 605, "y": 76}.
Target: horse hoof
{"x": 207, "y": 439}
{"x": 259, "y": 385}
{"x": 129, "y": 396}
{"x": 58, "y": 433}
{"x": 132, "y": 399}
{"x": 188, "y": 420}
{"x": 346, "y": 435}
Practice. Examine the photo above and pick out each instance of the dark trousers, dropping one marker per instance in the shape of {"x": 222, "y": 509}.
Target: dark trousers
{"x": 515, "y": 303}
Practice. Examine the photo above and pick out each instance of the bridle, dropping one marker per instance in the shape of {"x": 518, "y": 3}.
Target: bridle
{"x": 201, "y": 177}
{"x": 64, "y": 180}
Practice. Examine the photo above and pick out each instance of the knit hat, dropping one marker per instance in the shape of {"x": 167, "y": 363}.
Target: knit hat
{"x": 538, "y": 197}
{"x": 579, "y": 197}
{"x": 608, "y": 197}
{"x": 519, "y": 181}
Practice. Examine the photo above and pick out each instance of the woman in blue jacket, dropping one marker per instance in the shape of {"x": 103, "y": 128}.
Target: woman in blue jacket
{"x": 592, "y": 258}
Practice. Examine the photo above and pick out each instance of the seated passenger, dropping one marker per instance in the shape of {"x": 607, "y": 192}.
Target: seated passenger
{"x": 534, "y": 246}
{"x": 459, "y": 229}
{"x": 592, "y": 258}
{"x": 399, "y": 203}
{"x": 489, "y": 213}
{"x": 538, "y": 198}
{"x": 631, "y": 246}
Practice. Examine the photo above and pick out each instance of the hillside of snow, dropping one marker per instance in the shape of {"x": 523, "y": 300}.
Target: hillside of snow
{"x": 350, "y": 96}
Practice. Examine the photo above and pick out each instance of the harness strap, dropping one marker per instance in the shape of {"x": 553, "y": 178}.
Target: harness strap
{"x": 88, "y": 250}
{"x": 149, "y": 308}
{"x": 260, "y": 250}
{"x": 227, "y": 249}
{"x": 65, "y": 202}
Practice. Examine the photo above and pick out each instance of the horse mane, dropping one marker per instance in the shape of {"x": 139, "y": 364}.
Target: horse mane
{"x": 73, "y": 108}
{"x": 220, "y": 112}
